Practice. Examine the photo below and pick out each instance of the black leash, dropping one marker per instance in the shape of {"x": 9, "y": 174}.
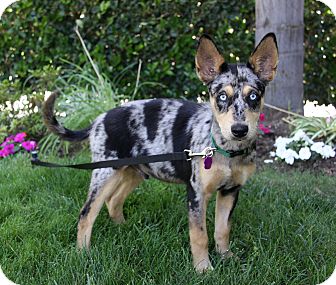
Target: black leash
{"x": 185, "y": 155}
{"x": 115, "y": 162}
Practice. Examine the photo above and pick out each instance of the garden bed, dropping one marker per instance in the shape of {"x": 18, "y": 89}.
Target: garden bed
{"x": 265, "y": 144}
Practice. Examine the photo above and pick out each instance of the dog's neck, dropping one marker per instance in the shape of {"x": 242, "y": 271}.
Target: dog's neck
{"x": 228, "y": 144}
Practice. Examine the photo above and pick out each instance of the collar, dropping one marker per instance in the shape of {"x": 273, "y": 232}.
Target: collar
{"x": 228, "y": 153}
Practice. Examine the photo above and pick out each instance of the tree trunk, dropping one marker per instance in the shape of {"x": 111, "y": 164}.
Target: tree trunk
{"x": 285, "y": 19}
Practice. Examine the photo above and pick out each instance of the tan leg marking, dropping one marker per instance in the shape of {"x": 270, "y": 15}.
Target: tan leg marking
{"x": 198, "y": 234}
{"x": 86, "y": 222}
{"x": 224, "y": 205}
{"x": 115, "y": 203}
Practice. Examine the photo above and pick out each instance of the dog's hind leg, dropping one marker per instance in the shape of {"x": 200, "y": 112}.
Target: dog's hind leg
{"x": 131, "y": 179}
{"x": 103, "y": 183}
{"x": 225, "y": 203}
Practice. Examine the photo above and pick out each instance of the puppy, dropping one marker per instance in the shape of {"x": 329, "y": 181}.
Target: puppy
{"x": 228, "y": 124}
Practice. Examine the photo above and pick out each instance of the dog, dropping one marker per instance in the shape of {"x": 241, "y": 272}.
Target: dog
{"x": 157, "y": 126}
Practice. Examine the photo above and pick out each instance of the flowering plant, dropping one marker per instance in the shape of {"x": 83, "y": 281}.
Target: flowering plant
{"x": 16, "y": 143}
{"x": 300, "y": 147}
{"x": 262, "y": 128}
{"x": 320, "y": 128}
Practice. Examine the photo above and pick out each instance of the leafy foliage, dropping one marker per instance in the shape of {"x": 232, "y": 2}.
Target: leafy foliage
{"x": 118, "y": 33}
{"x": 38, "y": 42}
{"x": 20, "y": 105}
{"x": 320, "y": 53}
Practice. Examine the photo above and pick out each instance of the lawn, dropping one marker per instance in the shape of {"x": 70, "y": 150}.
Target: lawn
{"x": 284, "y": 231}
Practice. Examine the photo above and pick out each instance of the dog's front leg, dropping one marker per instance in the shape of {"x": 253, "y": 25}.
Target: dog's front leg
{"x": 225, "y": 204}
{"x": 197, "y": 205}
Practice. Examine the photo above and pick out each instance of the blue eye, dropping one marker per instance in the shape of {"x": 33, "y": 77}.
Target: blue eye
{"x": 223, "y": 97}
{"x": 253, "y": 96}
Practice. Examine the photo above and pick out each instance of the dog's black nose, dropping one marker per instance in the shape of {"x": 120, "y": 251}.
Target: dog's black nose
{"x": 239, "y": 130}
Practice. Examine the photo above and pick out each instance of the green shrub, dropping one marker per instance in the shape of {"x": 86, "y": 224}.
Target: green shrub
{"x": 320, "y": 53}
{"x": 20, "y": 105}
{"x": 38, "y": 41}
{"x": 35, "y": 34}
{"x": 119, "y": 33}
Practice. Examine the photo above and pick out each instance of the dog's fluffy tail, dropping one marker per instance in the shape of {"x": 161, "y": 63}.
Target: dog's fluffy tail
{"x": 55, "y": 127}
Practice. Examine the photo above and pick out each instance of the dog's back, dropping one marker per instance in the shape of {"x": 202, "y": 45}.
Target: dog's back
{"x": 151, "y": 127}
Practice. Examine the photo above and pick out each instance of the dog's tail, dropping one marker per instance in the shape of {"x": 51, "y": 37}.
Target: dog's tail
{"x": 55, "y": 127}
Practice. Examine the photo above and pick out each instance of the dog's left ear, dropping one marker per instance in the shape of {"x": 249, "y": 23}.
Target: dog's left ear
{"x": 264, "y": 60}
{"x": 208, "y": 60}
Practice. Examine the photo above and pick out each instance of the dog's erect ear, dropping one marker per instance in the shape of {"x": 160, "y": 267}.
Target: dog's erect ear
{"x": 264, "y": 59}
{"x": 208, "y": 59}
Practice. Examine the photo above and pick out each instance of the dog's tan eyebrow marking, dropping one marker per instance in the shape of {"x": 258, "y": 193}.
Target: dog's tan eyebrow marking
{"x": 248, "y": 88}
{"x": 228, "y": 89}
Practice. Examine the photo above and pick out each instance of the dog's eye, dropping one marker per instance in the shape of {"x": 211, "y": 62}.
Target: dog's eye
{"x": 223, "y": 97}
{"x": 253, "y": 96}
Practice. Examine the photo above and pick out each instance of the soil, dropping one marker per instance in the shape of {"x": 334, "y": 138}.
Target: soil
{"x": 265, "y": 144}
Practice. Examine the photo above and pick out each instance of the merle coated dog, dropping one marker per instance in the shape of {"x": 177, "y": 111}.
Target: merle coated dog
{"x": 148, "y": 127}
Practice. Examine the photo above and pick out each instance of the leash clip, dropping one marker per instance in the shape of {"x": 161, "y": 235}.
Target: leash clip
{"x": 34, "y": 155}
{"x": 207, "y": 152}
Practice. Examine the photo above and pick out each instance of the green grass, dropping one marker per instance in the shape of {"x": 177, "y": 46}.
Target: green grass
{"x": 283, "y": 231}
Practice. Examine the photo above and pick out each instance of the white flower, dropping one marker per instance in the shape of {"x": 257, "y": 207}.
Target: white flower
{"x": 317, "y": 147}
{"x": 280, "y": 152}
{"x": 324, "y": 150}
{"x": 272, "y": 154}
{"x": 282, "y": 142}
{"x": 268, "y": 161}
{"x": 304, "y": 153}
{"x": 289, "y": 160}
{"x": 301, "y": 135}
{"x": 287, "y": 154}
{"x": 328, "y": 152}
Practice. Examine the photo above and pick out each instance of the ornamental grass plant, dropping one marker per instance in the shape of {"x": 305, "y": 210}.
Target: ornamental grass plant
{"x": 86, "y": 92}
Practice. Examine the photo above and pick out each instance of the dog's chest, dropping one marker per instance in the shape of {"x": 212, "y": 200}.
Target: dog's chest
{"x": 226, "y": 173}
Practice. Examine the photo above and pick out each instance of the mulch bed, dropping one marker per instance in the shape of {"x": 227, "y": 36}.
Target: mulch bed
{"x": 265, "y": 144}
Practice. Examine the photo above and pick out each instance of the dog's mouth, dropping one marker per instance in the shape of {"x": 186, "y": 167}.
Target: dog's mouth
{"x": 239, "y": 139}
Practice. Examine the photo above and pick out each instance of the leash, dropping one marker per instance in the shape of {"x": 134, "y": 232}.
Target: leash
{"x": 185, "y": 155}
{"x": 113, "y": 162}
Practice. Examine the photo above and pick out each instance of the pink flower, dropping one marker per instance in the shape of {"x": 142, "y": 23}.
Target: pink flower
{"x": 29, "y": 145}
{"x": 7, "y": 140}
{"x": 7, "y": 150}
{"x": 264, "y": 129}
{"x": 262, "y": 117}
{"x": 20, "y": 137}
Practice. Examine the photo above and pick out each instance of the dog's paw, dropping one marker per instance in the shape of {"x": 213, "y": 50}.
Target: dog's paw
{"x": 203, "y": 266}
{"x": 81, "y": 246}
{"x": 118, "y": 219}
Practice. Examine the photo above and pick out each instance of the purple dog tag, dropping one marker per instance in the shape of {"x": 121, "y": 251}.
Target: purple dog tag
{"x": 207, "y": 162}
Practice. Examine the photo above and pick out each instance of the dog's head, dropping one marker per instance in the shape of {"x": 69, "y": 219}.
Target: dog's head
{"x": 237, "y": 90}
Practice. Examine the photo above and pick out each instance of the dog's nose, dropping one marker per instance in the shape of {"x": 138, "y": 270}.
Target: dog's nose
{"x": 239, "y": 130}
